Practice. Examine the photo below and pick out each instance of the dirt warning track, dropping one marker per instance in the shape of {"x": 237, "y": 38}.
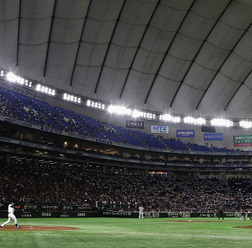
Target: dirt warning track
{"x": 243, "y": 226}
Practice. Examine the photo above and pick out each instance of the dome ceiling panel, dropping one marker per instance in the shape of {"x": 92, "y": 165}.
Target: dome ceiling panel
{"x": 113, "y": 80}
{"x": 181, "y": 56}
{"x": 242, "y": 100}
{"x": 8, "y": 44}
{"x": 218, "y": 95}
{"x": 162, "y": 94}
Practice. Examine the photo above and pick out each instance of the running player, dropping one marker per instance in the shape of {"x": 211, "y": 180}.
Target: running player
{"x": 11, "y": 209}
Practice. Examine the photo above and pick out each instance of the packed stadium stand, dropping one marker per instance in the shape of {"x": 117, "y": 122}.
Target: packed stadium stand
{"x": 73, "y": 186}
{"x": 23, "y": 108}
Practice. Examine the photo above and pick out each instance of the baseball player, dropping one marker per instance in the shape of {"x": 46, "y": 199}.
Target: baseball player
{"x": 141, "y": 212}
{"x": 243, "y": 216}
{"x": 11, "y": 209}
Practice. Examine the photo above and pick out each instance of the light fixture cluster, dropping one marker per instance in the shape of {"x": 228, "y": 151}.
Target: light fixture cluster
{"x": 148, "y": 115}
{"x": 122, "y": 110}
{"x": 221, "y": 122}
{"x": 142, "y": 114}
{"x": 45, "y": 90}
{"x": 71, "y": 98}
{"x": 194, "y": 121}
{"x": 170, "y": 118}
{"x": 95, "y": 104}
{"x": 245, "y": 124}
{"x": 11, "y": 77}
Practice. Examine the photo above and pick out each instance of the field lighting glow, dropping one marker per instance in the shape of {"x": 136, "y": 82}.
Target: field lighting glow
{"x": 245, "y": 124}
{"x": 221, "y": 122}
{"x": 12, "y": 78}
{"x": 195, "y": 121}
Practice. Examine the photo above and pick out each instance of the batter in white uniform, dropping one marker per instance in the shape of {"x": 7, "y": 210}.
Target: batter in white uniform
{"x": 11, "y": 216}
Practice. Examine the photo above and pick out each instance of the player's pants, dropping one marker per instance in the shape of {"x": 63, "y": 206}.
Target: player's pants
{"x": 10, "y": 216}
{"x": 141, "y": 216}
{"x": 244, "y": 217}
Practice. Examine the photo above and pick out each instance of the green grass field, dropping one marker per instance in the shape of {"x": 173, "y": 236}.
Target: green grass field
{"x": 128, "y": 232}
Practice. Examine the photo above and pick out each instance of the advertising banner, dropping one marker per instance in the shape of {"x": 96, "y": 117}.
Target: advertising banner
{"x": 135, "y": 124}
{"x": 242, "y": 140}
{"x": 213, "y": 136}
{"x": 185, "y": 133}
{"x": 159, "y": 129}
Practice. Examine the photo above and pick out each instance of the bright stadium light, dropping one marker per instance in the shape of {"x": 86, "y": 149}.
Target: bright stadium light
{"x": 148, "y": 115}
{"x": 169, "y": 118}
{"x": 136, "y": 113}
{"x": 120, "y": 110}
{"x": 71, "y": 98}
{"x": 45, "y": 90}
{"x": 245, "y": 124}
{"x": 221, "y": 122}
{"x": 145, "y": 115}
{"x": 11, "y": 77}
{"x": 95, "y": 104}
{"x": 194, "y": 121}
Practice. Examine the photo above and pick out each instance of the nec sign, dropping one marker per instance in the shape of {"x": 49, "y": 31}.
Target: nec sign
{"x": 185, "y": 133}
{"x": 159, "y": 129}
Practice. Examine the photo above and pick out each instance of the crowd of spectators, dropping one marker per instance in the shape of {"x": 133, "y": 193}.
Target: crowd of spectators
{"x": 25, "y": 183}
{"x": 47, "y": 117}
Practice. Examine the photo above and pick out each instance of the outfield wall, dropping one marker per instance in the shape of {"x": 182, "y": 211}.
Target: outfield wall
{"x": 120, "y": 214}
{"x": 70, "y": 211}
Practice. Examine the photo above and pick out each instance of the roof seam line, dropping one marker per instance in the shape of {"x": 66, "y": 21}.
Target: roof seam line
{"x": 167, "y": 51}
{"x": 190, "y": 86}
{"x": 137, "y": 50}
{"x": 229, "y": 78}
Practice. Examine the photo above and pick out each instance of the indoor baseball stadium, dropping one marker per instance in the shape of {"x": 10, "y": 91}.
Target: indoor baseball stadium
{"x": 125, "y": 123}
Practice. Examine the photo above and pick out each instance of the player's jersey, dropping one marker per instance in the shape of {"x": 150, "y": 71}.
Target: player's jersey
{"x": 141, "y": 209}
{"x": 10, "y": 209}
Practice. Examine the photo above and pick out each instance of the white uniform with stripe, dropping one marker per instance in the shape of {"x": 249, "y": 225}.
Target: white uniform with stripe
{"x": 11, "y": 215}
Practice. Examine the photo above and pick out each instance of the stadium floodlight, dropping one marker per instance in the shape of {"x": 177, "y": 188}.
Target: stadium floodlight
{"x": 201, "y": 121}
{"x": 221, "y": 122}
{"x": 95, "y": 104}
{"x": 136, "y": 113}
{"x": 170, "y": 118}
{"x": 71, "y": 98}
{"x": 148, "y": 115}
{"x": 194, "y": 121}
{"x": 11, "y": 77}
{"x": 245, "y": 124}
{"x": 120, "y": 110}
{"x": 45, "y": 90}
